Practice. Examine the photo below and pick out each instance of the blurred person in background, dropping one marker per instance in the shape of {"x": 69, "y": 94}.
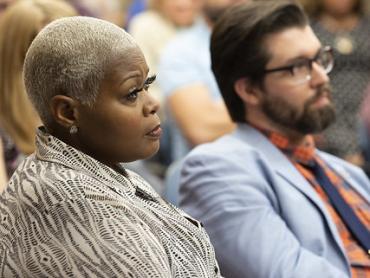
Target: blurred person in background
{"x": 136, "y": 7}
{"x": 10, "y": 153}
{"x": 344, "y": 25}
{"x": 195, "y": 108}
{"x": 196, "y": 112}
{"x": 4, "y": 4}
{"x": 154, "y": 28}
{"x": 114, "y": 11}
{"x": 19, "y": 24}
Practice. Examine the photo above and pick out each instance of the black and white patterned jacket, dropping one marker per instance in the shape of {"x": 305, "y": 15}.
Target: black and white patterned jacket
{"x": 65, "y": 214}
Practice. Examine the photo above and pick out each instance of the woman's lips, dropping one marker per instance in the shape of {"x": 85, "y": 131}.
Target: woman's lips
{"x": 155, "y": 132}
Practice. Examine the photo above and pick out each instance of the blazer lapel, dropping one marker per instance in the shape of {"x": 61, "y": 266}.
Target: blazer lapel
{"x": 284, "y": 168}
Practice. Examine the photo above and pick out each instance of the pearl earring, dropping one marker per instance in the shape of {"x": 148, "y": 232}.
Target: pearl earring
{"x": 73, "y": 129}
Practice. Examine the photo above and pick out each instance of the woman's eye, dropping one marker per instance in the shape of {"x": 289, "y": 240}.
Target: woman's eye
{"x": 134, "y": 92}
{"x": 133, "y": 95}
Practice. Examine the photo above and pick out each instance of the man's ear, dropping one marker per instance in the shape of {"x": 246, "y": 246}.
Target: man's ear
{"x": 64, "y": 110}
{"x": 246, "y": 91}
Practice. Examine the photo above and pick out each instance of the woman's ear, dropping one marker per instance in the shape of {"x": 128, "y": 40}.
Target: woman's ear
{"x": 248, "y": 93}
{"x": 64, "y": 110}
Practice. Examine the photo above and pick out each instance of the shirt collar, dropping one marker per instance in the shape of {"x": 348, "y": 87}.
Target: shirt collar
{"x": 303, "y": 153}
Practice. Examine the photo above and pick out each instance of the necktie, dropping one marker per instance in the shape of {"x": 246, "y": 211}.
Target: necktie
{"x": 354, "y": 225}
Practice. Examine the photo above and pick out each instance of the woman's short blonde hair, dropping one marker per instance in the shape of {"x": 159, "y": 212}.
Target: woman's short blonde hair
{"x": 19, "y": 25}
{"x": 71, "y": 57}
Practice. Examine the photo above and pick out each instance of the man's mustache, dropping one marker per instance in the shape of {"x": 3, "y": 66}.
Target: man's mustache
{"x": 321, "y": 91}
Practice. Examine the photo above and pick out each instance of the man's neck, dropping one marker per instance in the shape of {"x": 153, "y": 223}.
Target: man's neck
{"x": 262, "y": 122}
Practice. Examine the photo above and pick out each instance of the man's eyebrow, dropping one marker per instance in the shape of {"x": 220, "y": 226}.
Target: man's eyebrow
{"x": 301, "y": 57}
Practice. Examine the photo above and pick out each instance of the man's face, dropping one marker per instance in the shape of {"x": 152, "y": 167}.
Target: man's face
{"x": 300, "y": 106}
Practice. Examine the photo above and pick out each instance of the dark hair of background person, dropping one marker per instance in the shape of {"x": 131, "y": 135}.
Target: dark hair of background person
{"x": 237, "y": 45}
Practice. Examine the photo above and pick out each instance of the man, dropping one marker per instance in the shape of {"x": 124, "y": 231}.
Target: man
{"x": 189, "y": 87}
{"x": 267, "y": 197}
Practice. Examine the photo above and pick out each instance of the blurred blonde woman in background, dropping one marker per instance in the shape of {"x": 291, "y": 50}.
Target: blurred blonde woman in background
{"x": 19, "y": 25}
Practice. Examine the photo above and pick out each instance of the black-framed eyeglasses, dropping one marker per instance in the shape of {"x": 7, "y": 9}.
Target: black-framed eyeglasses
{"x": 301, "y": 70}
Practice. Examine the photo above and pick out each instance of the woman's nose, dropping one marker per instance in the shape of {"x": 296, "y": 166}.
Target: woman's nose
{"x": 151, "y": 105}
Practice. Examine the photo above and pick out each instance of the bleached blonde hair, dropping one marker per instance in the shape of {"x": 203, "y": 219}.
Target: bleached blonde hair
{"x": 19, "y": 25}
{"x": 70, "y": 57}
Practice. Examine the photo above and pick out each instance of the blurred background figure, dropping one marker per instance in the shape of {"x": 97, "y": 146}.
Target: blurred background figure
{"x": 114, "y": 11}
{"x": 4, "y": 4}
{"x": 196, "y": 112}
{"x": 9, "y": 152}
{"x": 19, "y": 24}
{"x": 344, "y": 25}
{"x": 194, "y": 102}
{"x": 154, "y": 28}
{"x": 137, "y": 6}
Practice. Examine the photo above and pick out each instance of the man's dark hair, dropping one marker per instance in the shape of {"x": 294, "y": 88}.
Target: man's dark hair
{"x": 237, "y": 48}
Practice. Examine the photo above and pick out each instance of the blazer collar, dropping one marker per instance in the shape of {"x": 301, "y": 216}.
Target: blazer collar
{"x": 284, "y": 168}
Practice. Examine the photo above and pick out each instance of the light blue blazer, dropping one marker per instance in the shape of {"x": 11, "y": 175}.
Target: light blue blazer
{"x": 263, "y": 217}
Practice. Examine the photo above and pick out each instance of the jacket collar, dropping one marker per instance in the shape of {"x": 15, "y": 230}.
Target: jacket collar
{"x": 284, "y": 168}
{"x": 51, "y": 149}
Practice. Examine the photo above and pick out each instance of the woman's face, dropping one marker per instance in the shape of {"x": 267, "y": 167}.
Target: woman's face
{"x": 181, "y": 12}
{"x": 122, "y": 125}
{"x": 339, "y": 7}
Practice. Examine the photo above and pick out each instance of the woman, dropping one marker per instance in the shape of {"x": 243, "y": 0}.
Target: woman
{"x": 71, "y": 209}
{"x": 344, "y": 25}
{"x": 19, "y": 24}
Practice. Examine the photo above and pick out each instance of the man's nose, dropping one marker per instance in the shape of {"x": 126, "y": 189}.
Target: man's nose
{"x": 319, "y": 75}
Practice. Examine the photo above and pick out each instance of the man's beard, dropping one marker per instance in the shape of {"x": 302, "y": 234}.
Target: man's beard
{"x": 311, "y": 120}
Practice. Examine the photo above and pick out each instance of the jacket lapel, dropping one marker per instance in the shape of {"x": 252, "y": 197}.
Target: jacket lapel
{"x": 284, "y": 168}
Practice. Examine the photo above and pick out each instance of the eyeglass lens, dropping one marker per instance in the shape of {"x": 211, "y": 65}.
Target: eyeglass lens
{"x": 302, "y": 71}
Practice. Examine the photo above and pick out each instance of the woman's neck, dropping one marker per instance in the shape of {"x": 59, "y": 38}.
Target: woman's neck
{"x": 339, "y": 23}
